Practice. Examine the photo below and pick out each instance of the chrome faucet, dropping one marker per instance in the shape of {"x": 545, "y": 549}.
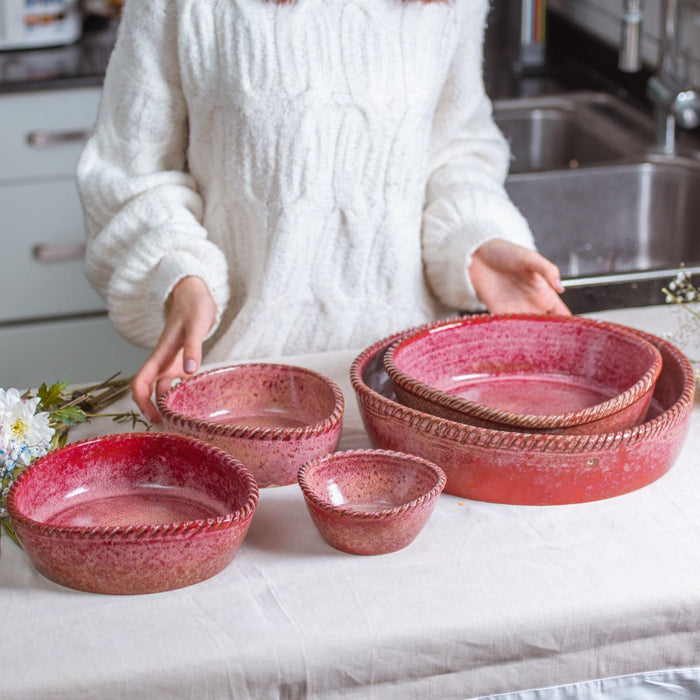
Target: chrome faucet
{"x": 676, "y": 105}
{"x": 630, "y": 43}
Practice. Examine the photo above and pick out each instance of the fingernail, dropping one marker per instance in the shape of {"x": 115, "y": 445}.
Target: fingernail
{"x": 560, "y": 287}
{"x": 190, "y": 366}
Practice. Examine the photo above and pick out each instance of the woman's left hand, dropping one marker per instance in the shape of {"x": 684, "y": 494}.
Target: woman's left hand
{"x": 509, "y": 278}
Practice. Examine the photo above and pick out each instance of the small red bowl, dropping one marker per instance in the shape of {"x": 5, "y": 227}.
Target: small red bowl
{"x": 370, "y": 501}
{"x": 527, "y": 373}
{"x": 531, "y": 469}
{"x": 132, "y": 513}
{"x": 272, "y": 417}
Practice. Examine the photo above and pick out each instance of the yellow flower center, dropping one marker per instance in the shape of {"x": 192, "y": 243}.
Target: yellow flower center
{"x": 18, "y": 428}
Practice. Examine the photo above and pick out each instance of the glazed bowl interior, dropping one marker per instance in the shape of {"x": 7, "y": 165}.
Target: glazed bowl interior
{"x": 145, "y": 482}
{"x": 255, "y": 395}
{"x": 526, "y": 372}
{"x": 531, "y": 469}
{"x": 369, "y": 484}
{"x": 370, "y": 501}
{"x": 272, "y": 417}
{"x": 132, "y": 513}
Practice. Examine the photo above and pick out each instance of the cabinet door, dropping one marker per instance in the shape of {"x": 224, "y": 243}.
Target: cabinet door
{"x": 41, "y": 259}
{"x": 77, "y": 351}
{"x": 44, "y": 132}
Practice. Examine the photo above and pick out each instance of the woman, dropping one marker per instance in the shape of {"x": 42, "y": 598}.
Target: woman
{"x": 270, "y": 178}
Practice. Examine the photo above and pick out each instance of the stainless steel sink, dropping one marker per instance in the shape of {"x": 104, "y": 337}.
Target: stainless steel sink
{"x": 569, "y": 131}
{"x": 619, "y": 231}
{"x": 618, "y": 218}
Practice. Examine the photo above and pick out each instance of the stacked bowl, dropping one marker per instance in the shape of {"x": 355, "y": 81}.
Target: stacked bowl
{"x": 526, "y": 409}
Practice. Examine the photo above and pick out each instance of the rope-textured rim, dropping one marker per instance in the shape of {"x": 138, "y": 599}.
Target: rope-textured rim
{"x": 433, "y": 427}
{"x": 496, "y": 416}
{"x": 207, "y": 428}
{"x": 347, "y": 511}
{"x": 139, "y": 532}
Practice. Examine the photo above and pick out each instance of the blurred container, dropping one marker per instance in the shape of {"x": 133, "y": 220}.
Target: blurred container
{"x": 26, "y": 24}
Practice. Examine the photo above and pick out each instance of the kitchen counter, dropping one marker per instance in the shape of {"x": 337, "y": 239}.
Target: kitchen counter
{"x": 489, "y": 598}
{"x": 81, "y": 64}
{"x": 84, "y": 62}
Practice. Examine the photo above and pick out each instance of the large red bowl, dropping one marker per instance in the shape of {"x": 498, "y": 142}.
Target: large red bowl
{"x": 527, "y": 373}
{"x": 526, "y": 468}
{"x": 132, "y": 513}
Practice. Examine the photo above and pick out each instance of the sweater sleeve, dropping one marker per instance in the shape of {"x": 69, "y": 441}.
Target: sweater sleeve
{"x": 466, "y": 201}
{"x": 143, "y": 212}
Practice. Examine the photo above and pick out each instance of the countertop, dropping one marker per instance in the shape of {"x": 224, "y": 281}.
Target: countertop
{"x": 489, "y": 598}
{"x": 81, "y": 64}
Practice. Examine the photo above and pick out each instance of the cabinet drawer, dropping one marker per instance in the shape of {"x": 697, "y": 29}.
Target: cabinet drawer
{"x": 77, "y": 351}
{"x": 44, "y": 132}
{"x": 41, "y": 235}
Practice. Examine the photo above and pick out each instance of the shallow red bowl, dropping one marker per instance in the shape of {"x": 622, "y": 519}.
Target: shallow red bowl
{"x": 132, "y": 513}
{"x": 527, "y": 373}
{"x": 370, "y": 501}
{"x": 272, "y": 417}
{"x": 531, "y": 469}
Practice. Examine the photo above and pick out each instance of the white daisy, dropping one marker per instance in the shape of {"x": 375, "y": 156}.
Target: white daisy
{"x": 24, "y": 434}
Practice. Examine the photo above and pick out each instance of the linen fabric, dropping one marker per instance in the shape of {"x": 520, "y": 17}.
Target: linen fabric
{"x": 327, "y": 167}
{"x": 489, "y": 598}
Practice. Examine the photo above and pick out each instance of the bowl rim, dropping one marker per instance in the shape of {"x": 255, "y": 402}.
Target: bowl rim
{"x": 509, "y": 419}
{"x": 137, "y": 532}
{"x": 385, "y": 513}
{"x": 250, "y": 432}
{"x": 490, "y": 438}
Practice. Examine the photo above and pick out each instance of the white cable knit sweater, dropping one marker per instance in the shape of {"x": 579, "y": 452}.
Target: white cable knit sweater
{"x": 327, "y": 167}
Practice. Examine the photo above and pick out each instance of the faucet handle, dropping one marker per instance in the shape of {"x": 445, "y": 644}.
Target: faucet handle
{"x": 687, "y": 109}
{"x": 682, "y": 104}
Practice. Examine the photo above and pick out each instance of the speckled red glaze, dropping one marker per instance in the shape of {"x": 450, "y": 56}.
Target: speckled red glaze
{"x": 370, "y": 501}
{"x": 88, "y": 514}
{"x": 532, "y": 469}
{"x": 272, "y": 454}
{"x": 605, "y": 372}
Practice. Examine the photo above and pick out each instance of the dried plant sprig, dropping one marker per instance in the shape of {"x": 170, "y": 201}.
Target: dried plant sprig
{"x": 682, "y": 292}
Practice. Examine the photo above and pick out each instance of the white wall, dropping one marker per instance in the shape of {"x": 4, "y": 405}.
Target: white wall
{"x": 603, "y": 18}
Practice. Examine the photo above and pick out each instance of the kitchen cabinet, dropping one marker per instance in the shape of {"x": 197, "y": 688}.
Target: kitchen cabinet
{"x": 53, "y": 325}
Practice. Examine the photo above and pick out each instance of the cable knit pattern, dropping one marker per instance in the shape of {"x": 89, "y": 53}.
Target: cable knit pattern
{"x": 327, "y": 167}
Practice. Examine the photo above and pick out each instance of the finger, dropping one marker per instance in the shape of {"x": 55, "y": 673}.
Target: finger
{"x": 546, "y": 268}
{"x": 163, "y": 362}
{"x": 142, "y": 390}
{"x": 559, "y": 308}
{"x": 192, "y": 347}
{"x": 163, "y": 386}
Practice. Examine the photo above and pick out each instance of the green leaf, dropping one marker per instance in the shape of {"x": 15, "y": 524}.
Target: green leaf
{"x": 7, "y": 527}
{"x": 70, "y": 415}
{"x": 50, "y": 397}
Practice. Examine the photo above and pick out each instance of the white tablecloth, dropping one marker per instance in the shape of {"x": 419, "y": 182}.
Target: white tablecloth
{"x": 490, "y": 598}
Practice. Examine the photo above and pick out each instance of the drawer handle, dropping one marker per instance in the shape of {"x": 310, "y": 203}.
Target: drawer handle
{"x": 46, "y": 139}
{"x": 51, "y": 253}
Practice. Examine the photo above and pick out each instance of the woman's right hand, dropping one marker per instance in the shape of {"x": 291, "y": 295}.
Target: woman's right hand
{"x": 178, "y": 353}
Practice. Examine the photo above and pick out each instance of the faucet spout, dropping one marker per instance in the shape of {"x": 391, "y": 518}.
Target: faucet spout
{"x": 676, "y": 105}
{"x": 630, "y": 44}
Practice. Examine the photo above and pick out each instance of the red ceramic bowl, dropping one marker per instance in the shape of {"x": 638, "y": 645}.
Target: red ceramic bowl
{"x": 132, "y": 513}
{"x": 370, "y": 501}
{"x": 272, "y": 417}
{"x": 526, "y": 373}
{"x": 531, "y": 469}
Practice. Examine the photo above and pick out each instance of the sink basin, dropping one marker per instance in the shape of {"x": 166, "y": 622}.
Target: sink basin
{"x": 569, "y": 131}
{"x": 618, "y": 232}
